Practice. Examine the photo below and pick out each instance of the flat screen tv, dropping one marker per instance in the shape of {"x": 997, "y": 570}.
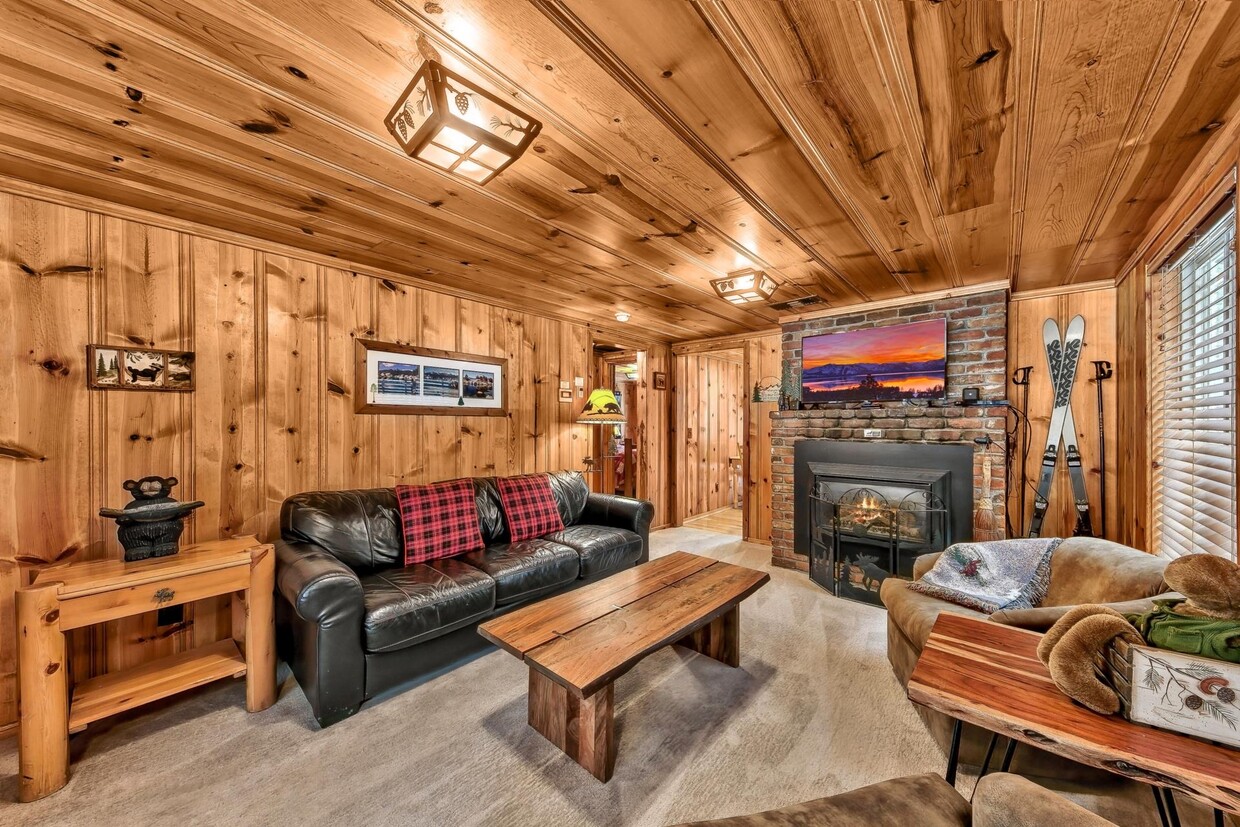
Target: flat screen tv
{"x": 907, "y": 361}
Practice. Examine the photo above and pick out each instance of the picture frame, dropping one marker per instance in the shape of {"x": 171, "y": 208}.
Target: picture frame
{"x": 125, "y": 368}
{"x": 660, "y": 381}
{"x": 391, "y": 378}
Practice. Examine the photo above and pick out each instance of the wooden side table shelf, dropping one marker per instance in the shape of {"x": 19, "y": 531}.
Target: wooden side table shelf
{"x": 96, "y": 591}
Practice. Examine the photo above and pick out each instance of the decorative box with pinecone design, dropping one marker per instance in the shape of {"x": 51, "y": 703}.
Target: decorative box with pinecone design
{"x": 1183, "y": 693}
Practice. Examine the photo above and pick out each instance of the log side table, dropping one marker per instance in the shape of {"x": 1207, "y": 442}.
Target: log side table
{"x": 96, "y": 591}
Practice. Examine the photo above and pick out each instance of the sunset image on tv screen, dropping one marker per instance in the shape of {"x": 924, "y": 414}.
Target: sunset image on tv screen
{"x": 906, "y": 361}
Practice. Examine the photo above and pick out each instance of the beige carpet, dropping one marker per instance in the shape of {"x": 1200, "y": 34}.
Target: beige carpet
{"x": 813, "y": 710}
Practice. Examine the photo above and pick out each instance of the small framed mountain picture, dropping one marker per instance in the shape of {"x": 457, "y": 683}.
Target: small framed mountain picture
{"x": 122, "y": 368}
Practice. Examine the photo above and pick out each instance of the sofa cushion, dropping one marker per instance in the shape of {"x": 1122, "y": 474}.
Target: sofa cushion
{"x": 404, "y": 606}
{"x": 525, "y": 569}
{"x": 1090, "y": 570}
{"x": 602, "y": 549}
{"x": 529, "y": 506}
{"x": 360, "y": 528}
{"x": 570, "y": 491}
{"x": 438, "y": 520}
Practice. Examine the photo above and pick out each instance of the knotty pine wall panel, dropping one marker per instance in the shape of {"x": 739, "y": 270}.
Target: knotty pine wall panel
{"x": 273, "y": 411}
{"x": 1025, "y": 347}
{"x": 1132, "y": 490}
{"x": 762, "y": 366}
{"x": 710, "y": 391}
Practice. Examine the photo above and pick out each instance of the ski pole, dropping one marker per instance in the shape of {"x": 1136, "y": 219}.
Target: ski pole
{"x": 1102, "y": 372}
{"x": 1020, "y": 378}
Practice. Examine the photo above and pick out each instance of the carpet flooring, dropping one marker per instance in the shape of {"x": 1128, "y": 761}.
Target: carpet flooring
{"x": 813, "y": 710}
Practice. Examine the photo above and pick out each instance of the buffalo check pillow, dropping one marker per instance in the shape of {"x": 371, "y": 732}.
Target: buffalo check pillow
{"x": 438, "y": 520}
{"x": 529, "y": 506}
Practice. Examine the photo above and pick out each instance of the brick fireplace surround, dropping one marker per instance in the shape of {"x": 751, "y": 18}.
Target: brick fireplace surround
{"x": 976, "y": 357}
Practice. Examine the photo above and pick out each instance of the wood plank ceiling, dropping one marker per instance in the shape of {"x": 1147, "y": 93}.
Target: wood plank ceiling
{"x": 856, "y": 150}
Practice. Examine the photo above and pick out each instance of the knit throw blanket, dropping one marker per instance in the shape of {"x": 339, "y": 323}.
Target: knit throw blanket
{"x": 987, "y": 577}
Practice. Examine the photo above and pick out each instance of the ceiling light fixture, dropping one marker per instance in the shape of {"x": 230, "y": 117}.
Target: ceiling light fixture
{"x": 446, "y": 121}
{"x": 745, "y": 286}
{"x": 622, "y": 316}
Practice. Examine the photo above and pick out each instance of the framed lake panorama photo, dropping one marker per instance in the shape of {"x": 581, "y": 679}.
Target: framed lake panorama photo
{"x": 397, "y": 379}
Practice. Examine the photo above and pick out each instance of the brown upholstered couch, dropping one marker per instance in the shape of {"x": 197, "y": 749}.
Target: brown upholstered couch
{"x": 1001, "y": 800}
{"x": 1083, "y": 570}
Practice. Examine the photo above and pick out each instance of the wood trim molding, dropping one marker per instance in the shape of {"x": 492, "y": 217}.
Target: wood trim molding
{"x": 1025, "y": 67}
{"x": 1062, "y": 290}
{"x": 572, "y": 26}
{"x": 720, "y": 342}
{"x": 1206, "y": 199}
{"x": 919, "y": 298}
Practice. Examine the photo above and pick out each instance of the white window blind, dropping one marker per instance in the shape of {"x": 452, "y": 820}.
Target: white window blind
{"x": 1193, "y": 392}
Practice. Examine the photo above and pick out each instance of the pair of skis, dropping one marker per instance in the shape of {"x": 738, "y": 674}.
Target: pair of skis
{"x": 1063, "y": 355}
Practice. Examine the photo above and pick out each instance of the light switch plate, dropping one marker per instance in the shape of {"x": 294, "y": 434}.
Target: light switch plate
{"x": 873, "y": 433}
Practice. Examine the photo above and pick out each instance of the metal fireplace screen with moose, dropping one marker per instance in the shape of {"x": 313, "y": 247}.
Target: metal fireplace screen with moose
{"x": 869, "y": 523}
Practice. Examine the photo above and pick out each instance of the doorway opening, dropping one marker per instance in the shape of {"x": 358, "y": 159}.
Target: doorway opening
{"x": 712, "y": 401}
{"x": 615, "y": 447}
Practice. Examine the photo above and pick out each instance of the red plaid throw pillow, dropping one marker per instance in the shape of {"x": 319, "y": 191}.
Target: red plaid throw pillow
{"x": 438, "y": 520}
{"x": 529, "y": 506}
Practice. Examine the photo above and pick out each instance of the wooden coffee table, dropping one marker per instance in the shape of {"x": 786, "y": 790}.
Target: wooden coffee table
{"x": 578, "y": 643}
{"x": 989, "y": 675}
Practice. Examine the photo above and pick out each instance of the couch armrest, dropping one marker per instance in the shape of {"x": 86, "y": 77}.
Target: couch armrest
{"x": 1005, "y": 800}
{"x": 1044, "y": 617}
{"x": 323, "y": 626}
{"x": 621, "y": 512}
{"x": 319, "y": 587}
{"x": 923, "y": 563}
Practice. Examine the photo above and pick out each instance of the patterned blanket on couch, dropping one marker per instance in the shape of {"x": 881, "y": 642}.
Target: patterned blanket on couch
{"x": 987, "y": 577}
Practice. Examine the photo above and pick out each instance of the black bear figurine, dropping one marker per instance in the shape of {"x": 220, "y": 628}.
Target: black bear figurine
{"x": 151, "y": 525}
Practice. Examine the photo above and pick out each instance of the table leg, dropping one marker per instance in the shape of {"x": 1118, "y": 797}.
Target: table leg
{"x": 1173, "y": 815}
{"x": 720, "y": 639}
{"x": 1007, "y": 755}
{"x": 43, "y": 745}
{"x": 990, "y": 750}
{"x": 582, "y": 727}
{"x": 1162, "y": 810}
{"x": 259, "y": 630}
{"x": 953, "y": 755}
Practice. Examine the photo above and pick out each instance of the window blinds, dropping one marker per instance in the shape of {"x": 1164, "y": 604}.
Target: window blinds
{"x": 1193, "y": 392}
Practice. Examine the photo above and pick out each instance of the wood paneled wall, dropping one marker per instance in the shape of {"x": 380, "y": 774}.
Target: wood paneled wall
{"x": 273, "y": 411}
{"x": 1132, "y": 489}
{"x": 1026, "y": 315}
{"x": 653, "y": 432}
{"x": 762, "y": 366}
{"x": 709, "y": 394}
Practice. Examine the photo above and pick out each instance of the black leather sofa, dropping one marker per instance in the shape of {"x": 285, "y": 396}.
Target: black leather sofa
{"x": 353, "y": 621}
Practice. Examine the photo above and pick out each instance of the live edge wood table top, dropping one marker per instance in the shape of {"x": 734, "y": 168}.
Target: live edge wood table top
{"x": 578, "y": 643}
{"x": 989, "y": 675}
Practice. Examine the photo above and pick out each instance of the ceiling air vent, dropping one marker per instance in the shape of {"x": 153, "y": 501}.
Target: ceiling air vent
{"x": 799, "y": 303}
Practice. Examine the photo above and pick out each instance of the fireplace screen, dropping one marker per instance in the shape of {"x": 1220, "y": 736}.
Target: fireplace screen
{"x": 863, "y": 534}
